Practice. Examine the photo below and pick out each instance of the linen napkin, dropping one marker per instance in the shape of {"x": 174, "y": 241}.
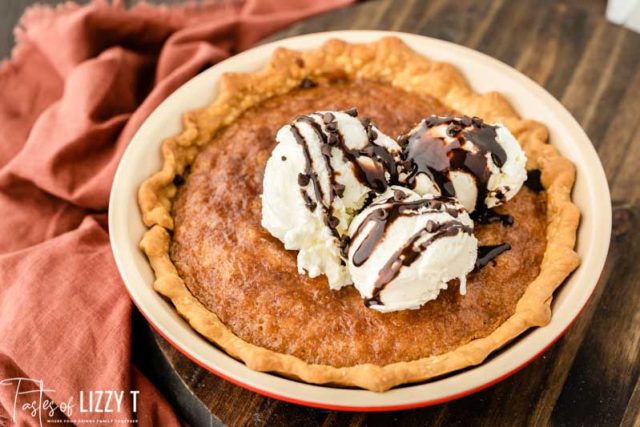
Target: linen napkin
{"x": 80, "y": 82}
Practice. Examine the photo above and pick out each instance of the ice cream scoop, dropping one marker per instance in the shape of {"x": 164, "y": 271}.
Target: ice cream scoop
{"x": 480, "y": 164}
{"x": 324, "y": 167}
{"x": 404, "y": 249}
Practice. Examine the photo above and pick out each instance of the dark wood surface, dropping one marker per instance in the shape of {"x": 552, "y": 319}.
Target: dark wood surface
{"x": 591, "y": 375}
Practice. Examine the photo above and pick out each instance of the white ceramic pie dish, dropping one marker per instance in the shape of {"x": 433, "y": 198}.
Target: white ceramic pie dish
{"x": 591, "y": 193}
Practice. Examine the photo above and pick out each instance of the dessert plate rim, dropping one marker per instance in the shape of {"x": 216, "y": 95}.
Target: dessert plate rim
{"x": 591, "y": 194}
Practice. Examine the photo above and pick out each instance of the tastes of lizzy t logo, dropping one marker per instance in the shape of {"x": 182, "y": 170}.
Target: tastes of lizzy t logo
{"x": 32, "y": 399}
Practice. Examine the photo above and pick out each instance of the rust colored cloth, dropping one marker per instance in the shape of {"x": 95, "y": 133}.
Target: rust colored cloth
{"x": 80, "y": 82}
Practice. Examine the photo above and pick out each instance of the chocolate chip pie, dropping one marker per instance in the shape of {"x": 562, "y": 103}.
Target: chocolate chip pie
{"x": 356, "y": 215}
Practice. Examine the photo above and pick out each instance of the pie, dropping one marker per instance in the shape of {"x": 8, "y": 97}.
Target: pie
{"x": 239, "y": 287}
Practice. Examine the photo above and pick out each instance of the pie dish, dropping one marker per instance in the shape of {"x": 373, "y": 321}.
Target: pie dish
{"x": 143, "y": 158}
{"x": 238, "y": 287}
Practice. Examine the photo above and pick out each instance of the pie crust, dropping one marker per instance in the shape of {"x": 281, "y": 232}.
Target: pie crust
{"x": 391, "y": 62}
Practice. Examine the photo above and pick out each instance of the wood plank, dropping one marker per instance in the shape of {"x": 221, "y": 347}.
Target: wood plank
{"x": 605, "y": 372}
{"x": 632, "y": 413}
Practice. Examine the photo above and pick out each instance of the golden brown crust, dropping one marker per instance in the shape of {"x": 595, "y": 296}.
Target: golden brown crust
{"x": 392, "y": 62}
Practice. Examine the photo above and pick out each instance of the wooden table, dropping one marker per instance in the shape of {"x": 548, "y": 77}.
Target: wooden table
{"x": 590, "y": 376}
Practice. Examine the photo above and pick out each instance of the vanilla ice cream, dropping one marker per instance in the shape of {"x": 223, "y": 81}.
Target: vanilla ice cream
{"x": 324, "y": 167}
{"x": 406, "y": 248}
{"x": 481, "y": 165}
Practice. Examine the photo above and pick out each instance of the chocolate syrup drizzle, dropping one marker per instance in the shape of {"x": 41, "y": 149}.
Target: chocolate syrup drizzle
{"x": 533, "y": 181}
{"x": 383, "y": 214}
{"x": 370, "y": 164}
{"x": 489, "y": 216}
{"x": 411, "y": 250}
{"x": 310, "y": 175}
{"x": 488, "y": 253}
{"x": 424, "y": 153}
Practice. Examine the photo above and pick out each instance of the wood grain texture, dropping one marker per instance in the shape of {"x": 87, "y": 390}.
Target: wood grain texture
{"x": 591, "y": 375}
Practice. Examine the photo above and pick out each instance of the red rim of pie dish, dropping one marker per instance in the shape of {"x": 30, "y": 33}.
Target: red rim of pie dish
{"x": 363, "y": 408}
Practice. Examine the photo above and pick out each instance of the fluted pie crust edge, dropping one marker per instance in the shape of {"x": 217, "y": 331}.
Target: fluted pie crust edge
{"x": 392, "y": 62}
